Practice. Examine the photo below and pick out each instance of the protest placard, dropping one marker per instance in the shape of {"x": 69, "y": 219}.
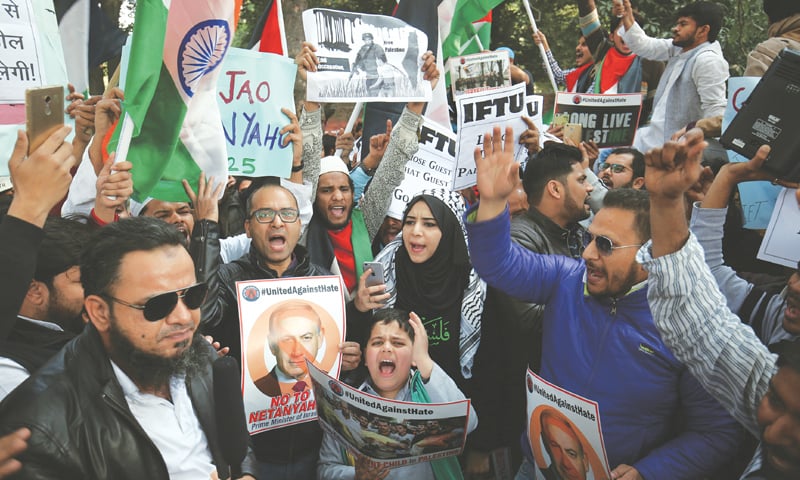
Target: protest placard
{"x": 607, "y": 120}
{"x": 430, "y": 167}
{"x": 251, "y": 90}
{"x": 477, "y": 114}
{"x": 283, "y": 323}
{"x": 757, "y": 198}
{"x": 20, "y": 51}
{"x": 365, "y": 57}
{"x": 559, "y": 417}
{"x": 389, "y": 432}
{"x": 783, "y": 233}
{"x": 479, "y": 72}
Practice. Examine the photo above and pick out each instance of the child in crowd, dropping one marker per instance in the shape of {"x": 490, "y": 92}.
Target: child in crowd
{"x": 396, "y": 347}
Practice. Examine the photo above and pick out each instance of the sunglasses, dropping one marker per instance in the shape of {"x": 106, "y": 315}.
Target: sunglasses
{"x": 604, "y": 244}
{"x": 161, "y": 305}
{"x": 615, "y": 167}
{"x": 267, "y": 215}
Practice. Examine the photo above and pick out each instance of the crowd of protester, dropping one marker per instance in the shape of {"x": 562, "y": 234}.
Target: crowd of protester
{"x": 616, "y": 274}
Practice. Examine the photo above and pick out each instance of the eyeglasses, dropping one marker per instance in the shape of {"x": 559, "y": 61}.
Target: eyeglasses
{"x": 604, "y": 244}
{"x": 267, "y": 215}
{"x": 615, "y": 167}
{"x": 161, "y": 305}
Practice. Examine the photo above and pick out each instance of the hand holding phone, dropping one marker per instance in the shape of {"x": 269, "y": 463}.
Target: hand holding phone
{"x": 376, "y": 275}
{"x": 44, "y": 113}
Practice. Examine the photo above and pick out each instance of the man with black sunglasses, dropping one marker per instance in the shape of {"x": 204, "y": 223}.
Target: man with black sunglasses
{"x": 131, "y": 396}
{"x": 599, "y": 338}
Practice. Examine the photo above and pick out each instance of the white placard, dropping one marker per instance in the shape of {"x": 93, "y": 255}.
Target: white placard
{"x": 430, "y": 167}
{"x": 284, "y": 322}
{"x": 783, "y": 233}
{"x": 365, "y": 57}
{"x": 561, "y": 421}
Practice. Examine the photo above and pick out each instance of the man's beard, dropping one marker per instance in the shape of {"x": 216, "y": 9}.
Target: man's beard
{"x": 323, "y": 217}
{"x": 150, "y": 371}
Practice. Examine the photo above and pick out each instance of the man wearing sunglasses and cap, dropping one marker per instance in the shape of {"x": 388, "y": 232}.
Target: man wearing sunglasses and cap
{"x": 131, "y": 396}
{"x": 599, "y": 338}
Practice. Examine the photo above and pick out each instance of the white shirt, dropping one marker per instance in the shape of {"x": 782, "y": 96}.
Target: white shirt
{"x": 173, "y": 427}
{"x": 11, "y": 372}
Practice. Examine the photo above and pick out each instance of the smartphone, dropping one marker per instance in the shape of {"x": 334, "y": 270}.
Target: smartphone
{"x": 376, "y": 276}
{"x": 573, "y": 131}
{"x": 44, "y": 113}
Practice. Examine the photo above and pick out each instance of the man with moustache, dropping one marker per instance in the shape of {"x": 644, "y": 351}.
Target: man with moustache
{"x": 623, "y": 168}
{"x": 692, "y": 86}
{"x": 599, "y": 339}
{"x": 273, "y": 224}
{"x": 50, "y": 315}
{"x": 131, "y": 396}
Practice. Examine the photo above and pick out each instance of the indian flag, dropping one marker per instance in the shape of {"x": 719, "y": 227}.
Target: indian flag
{"x": 171, "y": 127}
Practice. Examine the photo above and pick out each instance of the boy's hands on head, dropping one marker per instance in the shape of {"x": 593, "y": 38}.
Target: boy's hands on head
{"x": 420, "y": 357}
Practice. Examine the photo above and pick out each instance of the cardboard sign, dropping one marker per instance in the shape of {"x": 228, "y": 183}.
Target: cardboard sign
{"x": 251, "y": 90}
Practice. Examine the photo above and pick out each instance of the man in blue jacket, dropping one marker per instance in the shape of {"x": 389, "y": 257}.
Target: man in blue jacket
{"x": 599, "y": 338}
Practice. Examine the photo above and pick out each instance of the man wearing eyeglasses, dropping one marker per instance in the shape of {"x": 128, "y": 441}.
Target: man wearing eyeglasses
{"x": 599, "y": 338}
{"x": 273, "y": 225}
{"x": 623, "y": 168}
{"x": 131, "y": 396}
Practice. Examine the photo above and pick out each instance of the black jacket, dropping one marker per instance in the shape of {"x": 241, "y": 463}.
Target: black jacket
{"x": 220, "y": 318}
{"x": 81, "y": 424}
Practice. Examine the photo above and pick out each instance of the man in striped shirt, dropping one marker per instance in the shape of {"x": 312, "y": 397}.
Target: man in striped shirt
{"x": 759, "y": 388}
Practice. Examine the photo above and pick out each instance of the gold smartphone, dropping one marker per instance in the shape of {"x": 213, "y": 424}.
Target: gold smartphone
{"x": 44, "y": 113}
{"x": 573, "y": 131}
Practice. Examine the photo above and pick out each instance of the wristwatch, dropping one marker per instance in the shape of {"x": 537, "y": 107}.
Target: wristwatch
{"x": 299, "y": 167}
{"x": 368, "y": 171}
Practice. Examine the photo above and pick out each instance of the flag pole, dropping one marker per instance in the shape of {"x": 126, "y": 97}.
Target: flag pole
{"x": 541, "y": 47}
{"x": 350, "y": 123}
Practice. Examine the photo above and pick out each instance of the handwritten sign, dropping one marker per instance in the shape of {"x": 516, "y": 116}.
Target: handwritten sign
{"x": 783, "y": 233}
{"x": 251, "y": 90}
{"x": 478, "y": 113}
{"x": 20, "y": 52}
{"x": 285, "y": 322}
{"x": 607, "y": 120}
{"x": 430, "y": 167}
{"x": 559, "y": 417}
{"x": 757, "y": 198}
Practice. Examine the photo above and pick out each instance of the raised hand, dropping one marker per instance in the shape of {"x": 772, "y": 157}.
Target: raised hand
{"x": 675, "y": 167}
{"x": 497, "y": 172}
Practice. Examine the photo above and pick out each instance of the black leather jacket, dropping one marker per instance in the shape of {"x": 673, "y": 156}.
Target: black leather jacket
{"x": 220, "y": 318}
{"x": 81, "y": 424}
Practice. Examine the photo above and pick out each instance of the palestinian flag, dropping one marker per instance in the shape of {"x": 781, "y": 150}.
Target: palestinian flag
{"x": 268, "y": 33}
{"x": 463, "y": 23}
{"x": 171, "y": 127}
